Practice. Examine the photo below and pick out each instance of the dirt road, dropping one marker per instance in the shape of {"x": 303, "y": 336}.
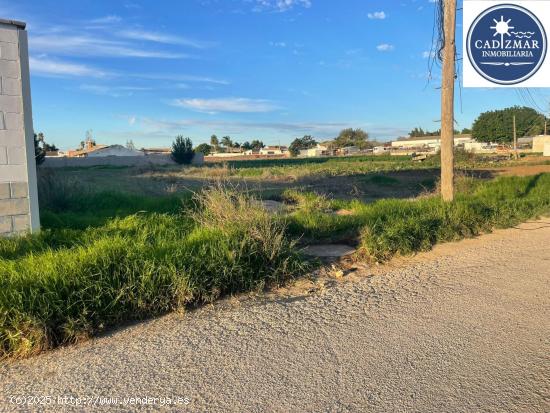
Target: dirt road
{"x": 464, "y": 328}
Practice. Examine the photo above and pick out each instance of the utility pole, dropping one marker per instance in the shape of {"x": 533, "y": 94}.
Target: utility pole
{"x": 447, "y": 101}
{"x": 515, "y": 140}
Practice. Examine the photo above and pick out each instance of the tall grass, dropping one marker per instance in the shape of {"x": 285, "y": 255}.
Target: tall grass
{"x": 148, "y": 256}
{"x": 391, "y": 226}
{"x": 62, "y": 288}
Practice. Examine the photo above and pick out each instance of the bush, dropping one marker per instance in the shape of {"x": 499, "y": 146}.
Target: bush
{"x": 182, "y": 150}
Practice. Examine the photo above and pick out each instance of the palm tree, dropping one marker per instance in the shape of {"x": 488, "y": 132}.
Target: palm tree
{"x": 227, "y": 142}
{"x": 214, "y": 141}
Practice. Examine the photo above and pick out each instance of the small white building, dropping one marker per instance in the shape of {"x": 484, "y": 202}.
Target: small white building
{"x": 431, "y": 142}
{"x": 539, "y": 142}
{"x": 318, "y": 151}
{"x": 274, "y": 150}
{"x": 113, "y": 150}
{"x": 381, "y": 150}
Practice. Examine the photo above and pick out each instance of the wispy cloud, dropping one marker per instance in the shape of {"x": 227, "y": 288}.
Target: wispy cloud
{"x": 112, "y": 91}
{"x": 235, "y": 105}
{"x": 57, "y": 68}
{"x": 279, "y": 5}
{"x": 107, "y": 19}
{"x": 157, "y": 37}
{"x": 86, "y": 45}
{"x": 180, "y": 78}
{"x": 377, "y": 15}
{"x": 385, "y": 47}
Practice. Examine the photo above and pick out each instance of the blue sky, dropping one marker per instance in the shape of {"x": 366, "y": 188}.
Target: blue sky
{"x": 252, "y": 69}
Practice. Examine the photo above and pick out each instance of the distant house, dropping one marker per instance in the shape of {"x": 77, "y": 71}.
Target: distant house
{"x": 539, "y": 142}
{"x": 318, "y": 151}
{"x": 428, "y": 142}
{"x": 349, "y": 150}
{"x": 252, "y": 152}
{"x": 113, "y": 150}
{"x": 274, "y": 150}
{"x": 381, "y": 150}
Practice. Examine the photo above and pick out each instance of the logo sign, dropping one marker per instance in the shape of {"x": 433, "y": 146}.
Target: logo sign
{"x": 506, "y": 44}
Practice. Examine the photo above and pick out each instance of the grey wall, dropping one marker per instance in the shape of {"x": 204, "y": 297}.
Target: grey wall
{"x": 18, "y": 190}
{"x": 115, "y": 161}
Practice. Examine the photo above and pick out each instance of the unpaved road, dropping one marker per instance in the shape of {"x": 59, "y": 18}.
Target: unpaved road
{"x": 464, "y": 328}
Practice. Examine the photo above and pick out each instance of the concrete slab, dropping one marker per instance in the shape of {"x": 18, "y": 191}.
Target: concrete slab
{"x": 329, "y": 250}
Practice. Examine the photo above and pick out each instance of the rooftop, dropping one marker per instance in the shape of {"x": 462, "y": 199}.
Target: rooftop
{"x": 17, "y": 23}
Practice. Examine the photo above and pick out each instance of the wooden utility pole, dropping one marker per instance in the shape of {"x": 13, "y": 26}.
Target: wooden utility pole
{"x": 447, "y": 101}
{"x": 515, "y": 140}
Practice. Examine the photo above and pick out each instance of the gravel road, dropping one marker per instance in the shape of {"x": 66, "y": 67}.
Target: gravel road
{"x": 463, "y": 328}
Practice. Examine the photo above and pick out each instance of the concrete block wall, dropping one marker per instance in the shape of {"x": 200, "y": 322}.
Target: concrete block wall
{"x": 18, "y": 190}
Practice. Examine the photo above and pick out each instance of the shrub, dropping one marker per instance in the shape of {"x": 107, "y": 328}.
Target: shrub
{"x": 182, "y": 150}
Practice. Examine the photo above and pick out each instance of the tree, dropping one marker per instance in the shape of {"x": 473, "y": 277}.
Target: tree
{"x": 39, "y": 152}
{"x": 497, "y": 125}
{"x": 227, "y": 142}
{"x": 466, "y": 131}
{"x": 256, "y": 144}
{"x": 204, "y": 148}
{"x": 352, "y": 137}
{"x": 246, "y": 146}
{"x": 182, "y": 150}
{"x": 214, "y": 141}
{"x": 417, "y": 132}
{"x": 299, "y": 144}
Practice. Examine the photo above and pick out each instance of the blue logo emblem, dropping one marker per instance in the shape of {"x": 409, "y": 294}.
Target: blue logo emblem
{"x": 506, "y": 44}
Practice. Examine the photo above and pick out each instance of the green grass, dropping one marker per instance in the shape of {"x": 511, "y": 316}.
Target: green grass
{"x": 63, "y": 285}
{"x": 104, "y": 259}
{"x": 391, "y": 226}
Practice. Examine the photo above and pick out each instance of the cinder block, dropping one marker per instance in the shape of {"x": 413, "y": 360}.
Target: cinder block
{"x": 13, "y": 121}
{"x": 3, "y": 155}
{"x": 9, "y": 51}
{"x": 11, "y": 86}
{"x": 12, "y": 137}
{"x": 9, "y": 34}
{"x": 21, "y": 223}
{"x": 16, "y": 155}
{"x": 5, "y": 225}
{"x": 10, "y": 68}
{"x": 19, "y": 190}
{"x": 5, "y": 190}
{"x": 12, "y": 104}
{"x": 14, "y": 206}
{"x": 13, "y": 173}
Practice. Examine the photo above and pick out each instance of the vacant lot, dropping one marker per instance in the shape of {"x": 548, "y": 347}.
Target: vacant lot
{"x": 126, "y": 243}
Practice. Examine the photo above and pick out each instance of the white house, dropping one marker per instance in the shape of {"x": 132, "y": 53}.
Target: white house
{"x": 539, "y": 142}
{"x": 113, "y": 150}
{"x": 319, "y": 150}
{"x": 381, "y": 150}
{"x": 274, "y": 150}
{"x": 432, "y": 142}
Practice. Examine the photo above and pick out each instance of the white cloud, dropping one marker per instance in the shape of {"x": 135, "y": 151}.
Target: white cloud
{"x": 107, "y": 19}
{"x": 280, "y": 5}
{"x": 235, "y": 105}
{"x": 86, "y": 45}
{"x": 277, "y": 44}
{"x": 377, "y": 15}
{"x": 162, "y": 38}
{"x": 113, "y": 91}
{"x": 385, "y": 47}
{"x": 57, "y": 68}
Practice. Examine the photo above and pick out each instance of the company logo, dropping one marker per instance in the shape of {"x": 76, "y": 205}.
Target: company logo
{"x": 506, "y": 44}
